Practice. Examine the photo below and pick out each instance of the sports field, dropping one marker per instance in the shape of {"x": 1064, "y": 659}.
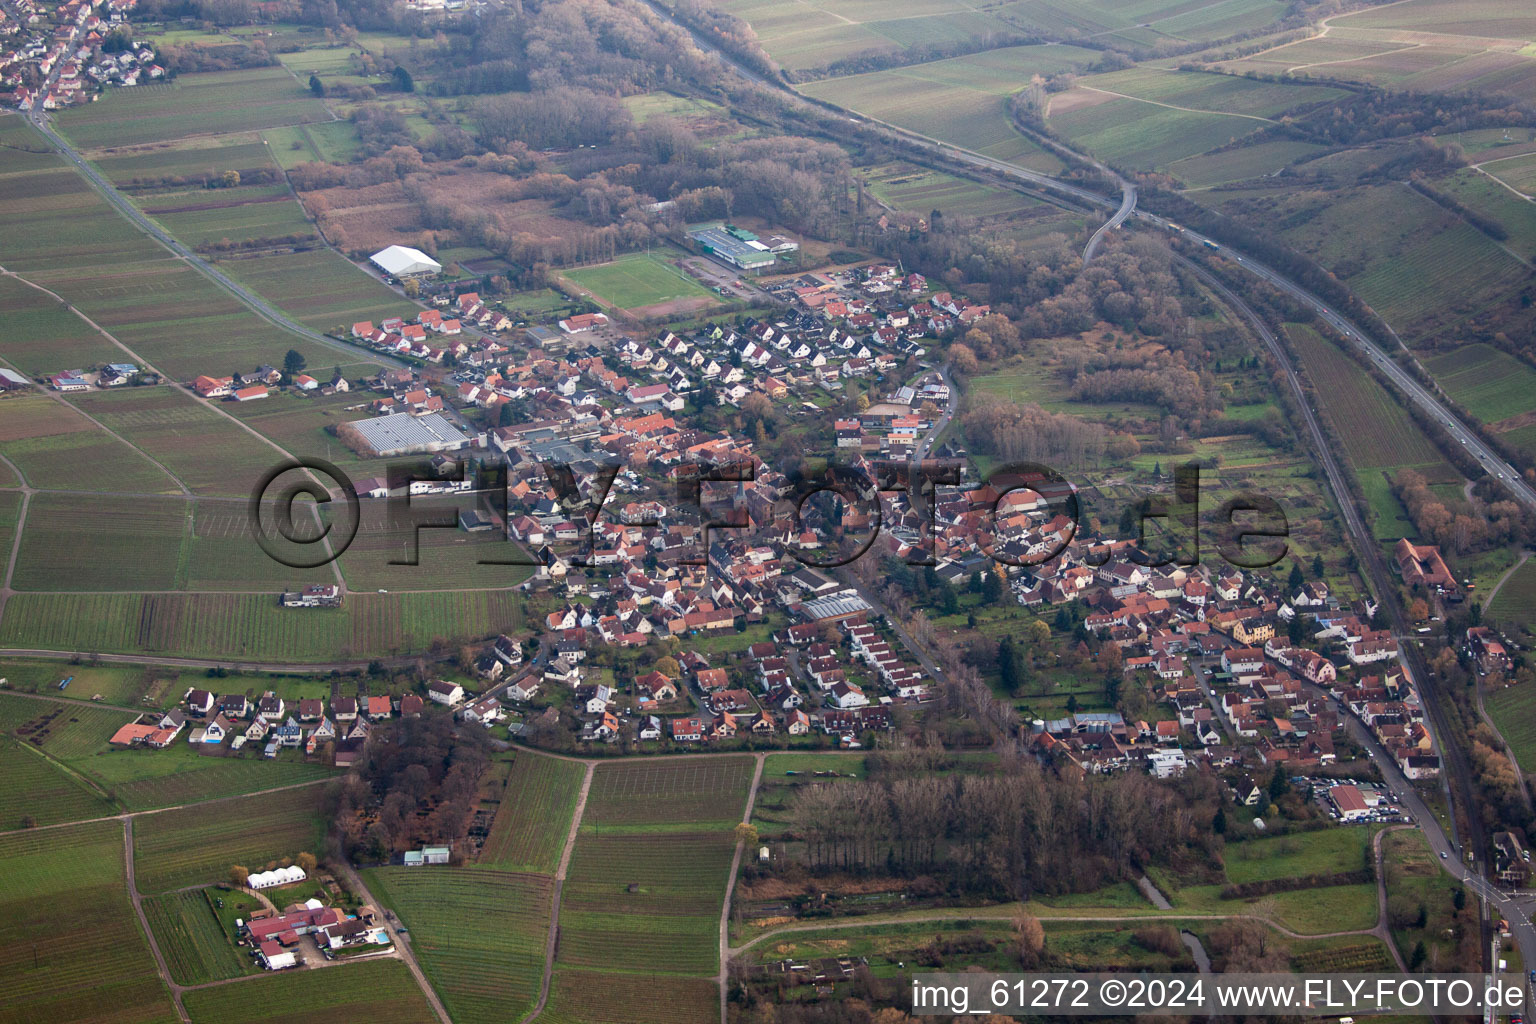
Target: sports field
{"x": 636, "y": 281}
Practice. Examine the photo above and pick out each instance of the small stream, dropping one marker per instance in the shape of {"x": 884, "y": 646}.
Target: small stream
{"x": 1190, "y": 939}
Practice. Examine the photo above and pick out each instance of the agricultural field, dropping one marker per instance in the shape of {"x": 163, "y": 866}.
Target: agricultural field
{"x": 1135, "y": 135}
{"x": 630, "y": 896}
{"x": 41, "y": 792}
{"x": 920, "y": 190}
{"x": 1513, "y": 709}
{"x": 815, "y": 34}
{"x": 1378, "y": 435}
{"x": 223, "y": 554}
{"x": 1489, "y": 197}
{"x": 193, "y": 161}
{"x": 98, "y": 969}
{"x": 192, "y": 939}
{"x": 533, "y": 818}
{"x": 57, "y": 448}
{"x": 320, "y": 289}
{"x": 42, "y": 338}
{"x": 445, "y": 559}
{"x": 581, "y": 997}
{"x": 1492, "y": 385}
{"x": 668, "y": 793}
{"x": 179, "y": 430}
{"x": 379, "y": 991}
{"x": 82, "y": 543}
{"x": 962, "y": 100}
{"x": 480, "y": 935}
{"x": 1420, "y": 267}
{"x": 648, "y": 873}
{"x": 196, "y": 104}
{"x": 253, "y": 626}
{"x": 249, "y": 215}
{"x": 1242, "y": 163}
{"x": 639, "y": 280}
{"x": 1515, "y": 603}
{"x": 198, "y": 844}
{"x": 147, "y": 779}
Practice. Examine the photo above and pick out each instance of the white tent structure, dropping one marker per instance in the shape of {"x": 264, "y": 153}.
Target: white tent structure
{"x": 277, "y": 876}
{"x": 402, "y": 261}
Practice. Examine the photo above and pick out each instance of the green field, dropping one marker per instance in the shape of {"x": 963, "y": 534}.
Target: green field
{"x": 178, "y": 431}
{"x": 1376, "y": 432}
{"x": 1515, "y": 602}
{"x": 198, "y": 104}
{"x": 55, "y": 447}
{"x": 480, "y": 935}
{"x": 43, "y": 338}
{"x": 818, "y": 32}
{"x": 197, "y": 845}
{"x": 1324, "y": 852}
{"x": 378, "y": 991}
{"x": 533, "y": 817}
{"x": 320, "y": 289}
{"x": 1492, "y": 385}
{"x": 920, "y": 190}
{"x": 961, "y": 100}
{"x": 42, "y": 792}
{"x": 647, "y": 875}
{"x": 636, "y": 281}
{"x": 1513, "y": 709}
{"x": 71, "y": 949}
{"x": 667, "y": 793}
{"x": 253, "y": 626}
{"x": 192, "y": 939}
{"x": 68, "y": 542}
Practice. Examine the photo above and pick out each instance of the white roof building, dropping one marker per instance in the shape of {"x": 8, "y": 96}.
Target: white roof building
{"x": 403, "y": 261}
{"x": 277, "y": 876}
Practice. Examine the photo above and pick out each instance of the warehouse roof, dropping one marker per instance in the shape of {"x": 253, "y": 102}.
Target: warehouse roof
{"x": 402, "y": 260}
{"x": 403, "y": 432}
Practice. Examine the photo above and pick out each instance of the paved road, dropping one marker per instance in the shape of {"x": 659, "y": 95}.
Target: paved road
{"x": 39, "y": 120}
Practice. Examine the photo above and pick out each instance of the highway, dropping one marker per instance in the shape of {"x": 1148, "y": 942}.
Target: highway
{"x": 39, "y": 120}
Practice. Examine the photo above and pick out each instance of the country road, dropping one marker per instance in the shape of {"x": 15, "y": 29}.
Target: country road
{"x": 39, "y": 120}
